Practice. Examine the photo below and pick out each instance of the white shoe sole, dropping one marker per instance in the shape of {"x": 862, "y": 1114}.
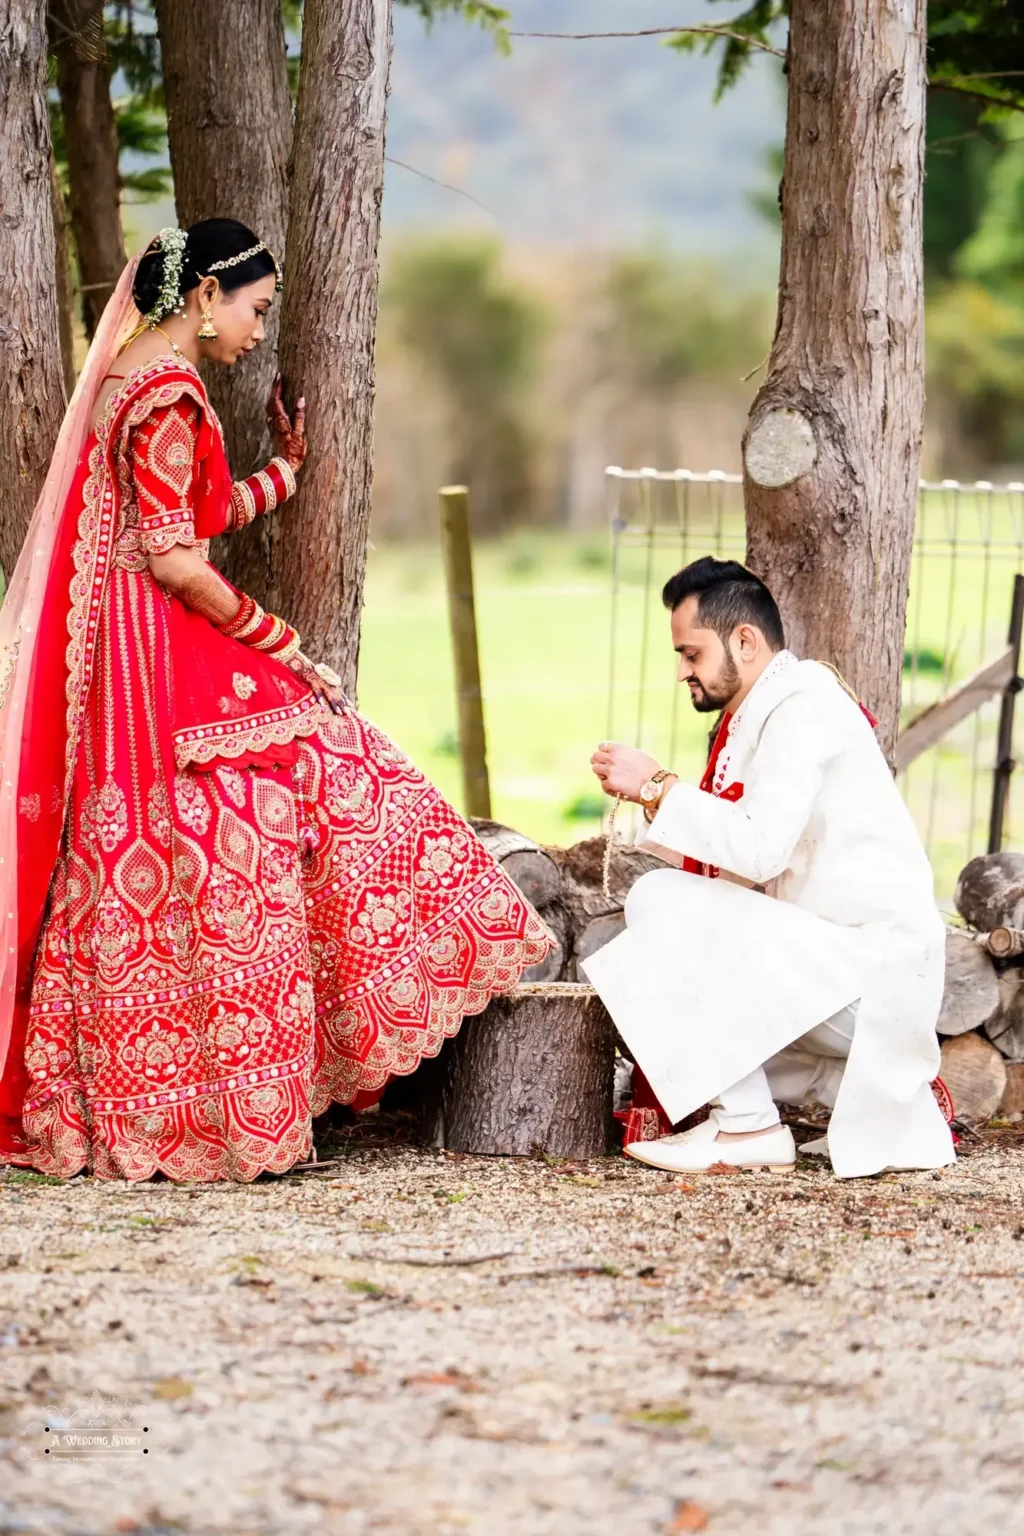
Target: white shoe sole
{"x": 719, "y": 1167}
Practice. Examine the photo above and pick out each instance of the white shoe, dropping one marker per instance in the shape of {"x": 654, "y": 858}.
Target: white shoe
{"x": 697, "y": 1151}
{"x": 816, "y": 1148}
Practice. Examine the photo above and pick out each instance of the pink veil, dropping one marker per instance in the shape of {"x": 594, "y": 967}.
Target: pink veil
{"x": 19, "y": 618}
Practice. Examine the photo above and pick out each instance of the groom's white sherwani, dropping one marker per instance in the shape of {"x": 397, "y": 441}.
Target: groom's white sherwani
{"x": 711, "y": 978}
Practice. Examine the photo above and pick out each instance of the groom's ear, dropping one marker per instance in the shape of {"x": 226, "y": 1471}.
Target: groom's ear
{"x": 747, "y": 640}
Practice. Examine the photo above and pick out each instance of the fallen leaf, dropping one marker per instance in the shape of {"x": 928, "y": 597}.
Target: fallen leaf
{"x": 688, "y": 1517}
{"x": 169, "y": 1388}
{"x": 443, "y": 1379}
{"x": 678, "y": 1187}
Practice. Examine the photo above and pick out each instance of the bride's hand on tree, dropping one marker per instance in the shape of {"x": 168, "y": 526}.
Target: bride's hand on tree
{"x": 622, "y": 770}
{"x": 323, "y": 680}
{"x": 287, "y": 436}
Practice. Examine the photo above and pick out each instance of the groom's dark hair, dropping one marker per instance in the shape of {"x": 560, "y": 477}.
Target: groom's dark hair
{"x": 727, "y": 595}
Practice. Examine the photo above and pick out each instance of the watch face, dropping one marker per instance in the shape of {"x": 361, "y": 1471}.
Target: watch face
{"x": 649, "y": 792}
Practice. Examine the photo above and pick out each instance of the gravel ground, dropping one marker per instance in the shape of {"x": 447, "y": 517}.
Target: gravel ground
{"x": 628, "y": 1352}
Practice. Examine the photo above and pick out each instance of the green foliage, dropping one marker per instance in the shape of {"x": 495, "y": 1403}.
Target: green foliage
{"x": 667, "y": 321}
{"x": 477, "y": 334}
{"x": 492, "y": 18}
{"x": 464, "y": 319}
{"x": 995, "y": 253}
{"x": 961, "y": 150}
{"x": 975, "y": 47}
{"x": 755, "y": 23}
{"x": 976, "y": 366}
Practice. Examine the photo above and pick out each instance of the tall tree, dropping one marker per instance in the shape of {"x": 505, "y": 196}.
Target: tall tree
{"x": 65, "y": 287}
{"x": 229, "y": 122}
{"x": 91, "y": 148}
{"x": 832, "y": 449}
{"x": 330, "y": 317}
{"x": 31, "y": 386}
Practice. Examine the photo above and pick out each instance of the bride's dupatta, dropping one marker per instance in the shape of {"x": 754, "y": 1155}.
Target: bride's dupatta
{"x": 34, "y": 717}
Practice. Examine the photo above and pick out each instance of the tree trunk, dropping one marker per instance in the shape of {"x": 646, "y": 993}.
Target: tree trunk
{"x": 94, "y": 177}
{"x": 65, "y": 285}
{"x": 229, "y": 124}
{"x": 832, "y": 447}
{"x": 330, "y": 319}
{"x": 31, "y": 387}
{"x": 534, "y": 1072}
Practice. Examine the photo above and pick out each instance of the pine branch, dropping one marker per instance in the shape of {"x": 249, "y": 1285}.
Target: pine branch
{"x": 744, "y": 38}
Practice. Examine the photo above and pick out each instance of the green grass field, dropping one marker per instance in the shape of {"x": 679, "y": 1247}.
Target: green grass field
{"x": 544, "y": 609}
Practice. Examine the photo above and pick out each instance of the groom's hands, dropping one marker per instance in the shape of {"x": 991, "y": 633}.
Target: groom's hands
{"x": 622, "y": 770}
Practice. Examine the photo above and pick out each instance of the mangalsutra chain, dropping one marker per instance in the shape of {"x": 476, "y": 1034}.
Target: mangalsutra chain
{"x": 609, "y": 843}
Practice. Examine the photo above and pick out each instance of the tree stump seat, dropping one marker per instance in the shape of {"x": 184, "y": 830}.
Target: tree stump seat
{"x": 533, "y": 1073}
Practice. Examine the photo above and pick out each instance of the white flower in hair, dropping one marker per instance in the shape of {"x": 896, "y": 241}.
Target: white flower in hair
{"x": 171, "y": 242}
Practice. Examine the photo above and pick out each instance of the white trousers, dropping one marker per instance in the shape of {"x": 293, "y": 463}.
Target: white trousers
{"x": 807, "y": 1071}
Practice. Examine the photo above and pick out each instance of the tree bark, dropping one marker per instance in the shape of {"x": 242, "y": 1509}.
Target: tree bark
{"x": 65, "y": 285}
{"x": 229, "y": 124}
{"x": 330, "y": 319}
{"x": 832, "y": 448}
{"x": 31, "y": 387}
{"x": 534, "y": 1072}
{"x": 94, "y": 176}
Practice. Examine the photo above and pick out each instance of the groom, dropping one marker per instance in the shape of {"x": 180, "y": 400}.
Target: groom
{"x": 795, "y": 953}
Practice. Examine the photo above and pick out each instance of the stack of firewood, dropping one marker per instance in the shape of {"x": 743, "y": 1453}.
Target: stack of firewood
{"x": 566, "y": 887}
{"x": 981, "y": 1024}
{"x": 982, "y": 1018}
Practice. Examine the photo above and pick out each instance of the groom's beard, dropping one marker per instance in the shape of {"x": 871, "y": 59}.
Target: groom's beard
{"x": 718, "y": 692}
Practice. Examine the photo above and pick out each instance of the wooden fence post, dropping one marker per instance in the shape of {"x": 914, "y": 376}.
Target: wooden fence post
{"x": 1004, "y": 749}
{"x": 458, "y": 570}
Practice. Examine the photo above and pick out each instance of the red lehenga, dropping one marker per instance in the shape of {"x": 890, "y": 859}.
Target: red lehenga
{"x": 236, "y": 906}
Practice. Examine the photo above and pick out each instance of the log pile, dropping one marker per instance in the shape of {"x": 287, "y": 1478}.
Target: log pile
{"x": 535, "y": 1071}
{"x": 566, "y": 887}
{"x": 982, "y": 1018}
{"x": 981, "y": 1023}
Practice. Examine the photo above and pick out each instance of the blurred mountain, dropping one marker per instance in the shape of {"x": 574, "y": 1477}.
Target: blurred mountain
{"x": 580, "y": 144}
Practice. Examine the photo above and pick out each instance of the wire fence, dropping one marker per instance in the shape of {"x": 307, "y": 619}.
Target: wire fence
{"x": 968, "y": 546}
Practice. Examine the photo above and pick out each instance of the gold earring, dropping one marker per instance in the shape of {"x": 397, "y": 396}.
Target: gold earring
{"x": 206, "y": 330}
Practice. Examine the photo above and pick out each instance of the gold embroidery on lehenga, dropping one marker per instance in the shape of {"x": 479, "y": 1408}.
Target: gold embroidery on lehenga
{"x": 193, "y": 807}
{"x": 140, "y": 878}
{"x": 190, "y": 863}
{"x": 237, "y": 845}
{"x": 105, "y": 815}
{"x": 274, "y": 808}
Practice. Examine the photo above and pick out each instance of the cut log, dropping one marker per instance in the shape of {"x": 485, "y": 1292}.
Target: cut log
{"x": 536, "y": 876}
{"x": 599, "y": 932}
{"x": 534, "y": 1072}
{"x": 552, "y": 967}
{"x": 1003, "y": 943}
{"x": 1006, "y": 1026}
{"x": 1012, "y": 1101}
{"x": 990, "y": 892}
{"x": 971, "y": 993}
{"x": 975, "y": 1074}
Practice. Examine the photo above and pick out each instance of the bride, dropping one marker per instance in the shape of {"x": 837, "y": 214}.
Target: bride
{"x": 226, "y": 899}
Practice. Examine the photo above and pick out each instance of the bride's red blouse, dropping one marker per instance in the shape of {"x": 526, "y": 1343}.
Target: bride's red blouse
{"x": 235, "y": 906}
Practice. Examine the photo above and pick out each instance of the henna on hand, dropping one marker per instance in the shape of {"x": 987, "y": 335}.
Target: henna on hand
{"x": 196, "y": 582}
{"x": 331, "y": 696}
{"x": 288, "y": 435}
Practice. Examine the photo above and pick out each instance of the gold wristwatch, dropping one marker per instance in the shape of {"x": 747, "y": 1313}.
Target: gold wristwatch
{"x": 652, "y": 791}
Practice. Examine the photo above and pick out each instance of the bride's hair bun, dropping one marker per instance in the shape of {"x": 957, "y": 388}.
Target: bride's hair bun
{"x": 198, "y": 247}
